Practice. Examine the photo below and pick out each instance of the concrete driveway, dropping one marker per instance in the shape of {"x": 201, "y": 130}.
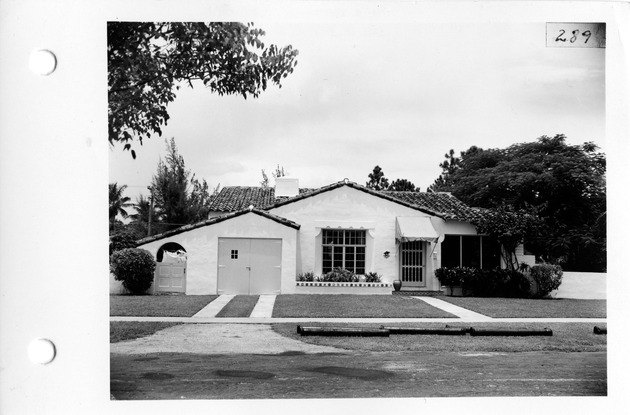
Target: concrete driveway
{"x": 217, "y": 339}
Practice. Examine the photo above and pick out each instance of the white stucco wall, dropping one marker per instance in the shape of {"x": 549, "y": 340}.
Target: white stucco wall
{"x": 116, "y": 287}
{"x": 582, "y": 285}
{"x": 349, "y": 208}
{"x": 201, "y": 244}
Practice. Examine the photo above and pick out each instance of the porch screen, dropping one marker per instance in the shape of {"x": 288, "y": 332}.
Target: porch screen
{"x": 343, "y": 248}
{"x": 470, "y": 251}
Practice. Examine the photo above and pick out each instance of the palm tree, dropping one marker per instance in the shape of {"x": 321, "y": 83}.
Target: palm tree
{"x": 140, "y": 219}
{"x": 117, "y": 202}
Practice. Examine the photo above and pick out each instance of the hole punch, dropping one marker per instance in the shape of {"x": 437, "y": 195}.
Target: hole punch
{"x": 42, "y": 62}
{"x": 41, "y": 351}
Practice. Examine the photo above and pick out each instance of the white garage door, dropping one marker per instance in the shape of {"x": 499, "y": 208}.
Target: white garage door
{"x": 249, "y": 266}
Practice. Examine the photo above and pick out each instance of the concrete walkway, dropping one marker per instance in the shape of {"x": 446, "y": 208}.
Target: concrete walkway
{"x": 264, "y": 306}
{"x": 460, "y": 312}
{"x": 212, "y": 309}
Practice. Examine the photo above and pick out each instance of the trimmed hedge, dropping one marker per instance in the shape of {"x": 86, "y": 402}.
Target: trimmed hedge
{"x": 339, "y": 275}
{"x": 134, "y": 267}
{"x": 486, "y": 283}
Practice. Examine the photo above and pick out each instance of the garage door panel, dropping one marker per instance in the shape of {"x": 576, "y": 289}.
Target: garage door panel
{"x": 249, "y": 266}
{"x": 266, "y": 261}
{"x": 233, "y": 266}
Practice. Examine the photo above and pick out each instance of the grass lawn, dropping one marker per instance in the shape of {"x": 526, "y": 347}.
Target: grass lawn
{"x": 342, "y": 305}
{"x": 157, "y": 305}
{"x": 129, "y": 330}
{"x": 239, "y": 306}
{"x": 567, "y": 337}
{"x": 524, "y": 307}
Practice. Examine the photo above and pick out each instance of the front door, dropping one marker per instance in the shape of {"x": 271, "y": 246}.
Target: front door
{"x": 412, "y": 264}
{"x": 249, "y": 266}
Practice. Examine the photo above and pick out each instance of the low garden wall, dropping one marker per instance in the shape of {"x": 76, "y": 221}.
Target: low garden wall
{"x": 365, "y": 288}
{"x": 583, "y": 285}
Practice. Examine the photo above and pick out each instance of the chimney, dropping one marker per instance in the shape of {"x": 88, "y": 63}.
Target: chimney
{"x": 287, "y": 187}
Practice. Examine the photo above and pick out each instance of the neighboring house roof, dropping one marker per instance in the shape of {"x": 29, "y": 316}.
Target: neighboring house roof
{"x": 445, "y": 203}
{"x": 442, "y": 205}
{"x": 218, "y": 219}
{"x": 234, "y": 198}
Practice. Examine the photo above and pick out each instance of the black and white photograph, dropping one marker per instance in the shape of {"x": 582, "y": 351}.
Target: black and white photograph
{"x": 315, "y": 205}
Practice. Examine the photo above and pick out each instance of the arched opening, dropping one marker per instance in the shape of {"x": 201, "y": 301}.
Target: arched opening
{"x": 169, "y": 247}
{"x": 170, "y": 272}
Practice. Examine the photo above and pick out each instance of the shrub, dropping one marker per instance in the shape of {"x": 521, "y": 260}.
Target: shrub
{"x": 121, "y": 240}
{"x": 454, "y": 276}
{"x": 548, "y": 278}
{"x": 517, "y": 285}
{"x": 447, "y": 276}
{"x": 307, "y": 276}
{"x": 339, "y": 275}
{"x": 372, "y": 277}
{"x": 486, "y": 283}
{"x": 134, "y": 267}
{"x": 499, "y": 283}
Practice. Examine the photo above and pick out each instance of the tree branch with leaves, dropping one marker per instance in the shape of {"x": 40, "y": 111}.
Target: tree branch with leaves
{"x": 148, "y": 62}
{"x": 510, "y": 228}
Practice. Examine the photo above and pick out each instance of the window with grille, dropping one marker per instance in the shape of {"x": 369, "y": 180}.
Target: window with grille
{"x": 343, "y": 248}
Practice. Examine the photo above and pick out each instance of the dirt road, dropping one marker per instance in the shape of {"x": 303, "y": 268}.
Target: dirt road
{"x": 349, "y": 375}
{"x": 251, "y": 361}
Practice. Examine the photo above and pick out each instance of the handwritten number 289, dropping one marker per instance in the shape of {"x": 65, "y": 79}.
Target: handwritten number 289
{"x": 575, "y": 33}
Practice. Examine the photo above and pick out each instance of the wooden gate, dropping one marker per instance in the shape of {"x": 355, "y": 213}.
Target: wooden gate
{"x": 170, "y": 277}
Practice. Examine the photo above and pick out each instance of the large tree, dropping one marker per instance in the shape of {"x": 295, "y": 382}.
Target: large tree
{"x": 563, "y": 184}
{"x": 145, "y": 213}
{"x": 179, "y": 198}
{"x": 147, "y": 63}
{"x": 402, "y": 185}
{"x": 377, "y": 181}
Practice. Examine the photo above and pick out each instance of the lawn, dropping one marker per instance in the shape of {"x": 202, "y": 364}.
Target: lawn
{"x": 567, "y": 337}
{"x": 239, "y": 306}
{"x": 157, "y": 305}
{"x": 354, "y": 306}
{"x": 129, "y": 330}
{"x": 534, "y": 308}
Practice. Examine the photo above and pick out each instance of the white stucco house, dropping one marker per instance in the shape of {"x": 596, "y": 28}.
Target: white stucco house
{"x": 257, "y": 240}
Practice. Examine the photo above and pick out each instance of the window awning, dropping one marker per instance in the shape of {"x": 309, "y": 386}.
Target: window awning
{"x": 415, "y": 228}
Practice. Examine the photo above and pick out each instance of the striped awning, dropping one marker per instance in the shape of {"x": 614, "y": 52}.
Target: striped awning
{"x": 415, "y": 228}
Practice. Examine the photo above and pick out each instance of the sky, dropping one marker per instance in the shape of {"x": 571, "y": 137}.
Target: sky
{"x": 384, "y": 92}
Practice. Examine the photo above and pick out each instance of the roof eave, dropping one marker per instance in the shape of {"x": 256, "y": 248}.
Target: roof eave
{"x": 357, "y": 187}
{"x": 218, "y": 219}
